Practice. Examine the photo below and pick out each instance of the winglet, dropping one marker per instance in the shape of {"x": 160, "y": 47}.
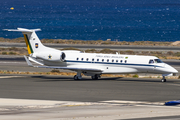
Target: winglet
{"x": 28, "y": 62}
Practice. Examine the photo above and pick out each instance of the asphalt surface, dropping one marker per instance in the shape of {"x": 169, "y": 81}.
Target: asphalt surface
{"x": 64, "y": 88}
{"x": 157, "y": 118}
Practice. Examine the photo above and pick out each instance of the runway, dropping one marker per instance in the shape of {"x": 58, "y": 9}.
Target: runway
{"x": 106, "y": 98}
{"x": 27, "y": 97}
{"x": 86, "y": 89}
{"x": 64, "y": 88}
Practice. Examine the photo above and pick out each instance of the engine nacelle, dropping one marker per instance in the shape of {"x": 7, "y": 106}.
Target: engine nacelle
{"x": 53, "y": 56}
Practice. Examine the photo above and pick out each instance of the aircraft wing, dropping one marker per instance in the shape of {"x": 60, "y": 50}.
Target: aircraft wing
{"x": 71, "y": 68}
{"x": 67, "y": 68}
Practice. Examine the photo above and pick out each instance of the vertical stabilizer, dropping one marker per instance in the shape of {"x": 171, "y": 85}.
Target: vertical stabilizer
{"x": 33, "y": 43}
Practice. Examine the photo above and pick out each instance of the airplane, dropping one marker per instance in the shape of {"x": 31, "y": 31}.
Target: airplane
{"x": 90, "y": 64}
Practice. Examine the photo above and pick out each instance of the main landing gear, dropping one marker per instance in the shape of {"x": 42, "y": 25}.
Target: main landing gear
{"x": 163, "y": 79}
{"x": 95, "y": 77}
{"x": 78, "y": 76}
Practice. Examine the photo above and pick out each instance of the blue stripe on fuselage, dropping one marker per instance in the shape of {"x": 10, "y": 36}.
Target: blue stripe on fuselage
{"x": 112, "y": 63}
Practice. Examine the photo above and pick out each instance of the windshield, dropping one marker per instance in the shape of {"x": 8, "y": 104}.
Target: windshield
{"x": 158, "y": 61}
{"x": 151, "y": 61}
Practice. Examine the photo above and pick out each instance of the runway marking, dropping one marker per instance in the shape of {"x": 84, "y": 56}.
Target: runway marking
{"x": 139, "y": 103}
{"x": 10, "y": 76}
{"x": 36, "y": 109}
{"x": 36, "y": 104}
{"x": 12, "y": 62}
{"x": 174, "y": 84}
{"x": 28, "y": 103}
{"x": 133, "y": 102}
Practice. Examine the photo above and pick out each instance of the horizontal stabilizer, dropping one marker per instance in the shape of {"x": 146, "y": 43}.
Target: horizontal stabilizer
{"x": 28, "y": 62}
{"x": 34, "y": 60}
{"x": 23, "y": 30}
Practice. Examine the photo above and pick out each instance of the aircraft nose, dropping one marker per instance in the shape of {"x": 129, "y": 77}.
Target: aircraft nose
{"x": 170, "y": 69}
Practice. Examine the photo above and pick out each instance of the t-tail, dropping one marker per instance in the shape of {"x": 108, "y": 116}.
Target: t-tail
{"x": 35, "y": 48}
{"x": 32, "y": 41}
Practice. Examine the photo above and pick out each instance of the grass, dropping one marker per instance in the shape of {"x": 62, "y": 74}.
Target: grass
{"x": 90, "y": 42}
{"x": 38, "y": 73}
{"x": 71, "y": 48}
{"x": 136, "y": 76}
{"x": 159, "y": 54}
{"x": 13, "y": 51}
{"x": 55, "y": 71}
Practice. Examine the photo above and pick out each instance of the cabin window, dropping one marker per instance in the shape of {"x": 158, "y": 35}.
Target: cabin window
{"x": 125, "y": 61}
{"x": 158, "y": 61}
{"x": 93, "y": 59}
{"x": 121, "y": 61}
{"x": 87, "y": 59}
{"x": 77, "y": 59}
{"x": 102, "y": 60}
{"x": 112, "y": 60}
{"x": 98, "y": 60}
{"x": 82, "y": 59}
{"x": 116, "y": 60}
{"x": 151, "y": 61}
{"x": 107, "y": 60}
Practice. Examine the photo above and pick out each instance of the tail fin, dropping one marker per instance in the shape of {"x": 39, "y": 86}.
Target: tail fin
{"x": 32, "y": 41}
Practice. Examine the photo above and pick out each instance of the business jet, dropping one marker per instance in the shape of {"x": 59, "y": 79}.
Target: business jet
{"x": 90, "y": 64}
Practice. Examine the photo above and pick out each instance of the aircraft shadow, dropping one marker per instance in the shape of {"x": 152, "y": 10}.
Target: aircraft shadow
{"x": 59, "y": 78}
{"x": 120, "y": 79}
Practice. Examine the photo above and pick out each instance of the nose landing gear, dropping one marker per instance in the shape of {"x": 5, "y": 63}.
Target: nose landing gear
{"x": 163, "y": 79}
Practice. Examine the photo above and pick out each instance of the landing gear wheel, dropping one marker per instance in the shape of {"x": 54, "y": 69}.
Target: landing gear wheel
{"x": 163, "y": 80}
{"x": 76, "y": 77}
{"x": 95, "y": 77}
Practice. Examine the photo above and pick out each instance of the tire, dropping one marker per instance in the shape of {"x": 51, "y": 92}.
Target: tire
{"x": 163, "y": 80}
{"x": 76, "y": 77}
{"x": 92, "y": 77}
{"x": 95, "y": 77}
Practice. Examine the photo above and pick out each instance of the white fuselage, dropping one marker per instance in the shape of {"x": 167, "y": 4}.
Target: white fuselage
{"x": 90, "y": 64}
{"x": 113, "y": 63}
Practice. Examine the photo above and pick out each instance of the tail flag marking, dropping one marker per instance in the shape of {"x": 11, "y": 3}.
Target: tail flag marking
{"x": 29, "y": 48}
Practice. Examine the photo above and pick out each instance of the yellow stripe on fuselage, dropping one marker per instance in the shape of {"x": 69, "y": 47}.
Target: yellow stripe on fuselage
{"x": 27, "y": 44}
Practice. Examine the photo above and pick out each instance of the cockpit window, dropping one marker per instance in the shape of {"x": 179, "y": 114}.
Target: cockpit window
{"x": 151, "y": 61}
{"x": 158, "y": 61}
